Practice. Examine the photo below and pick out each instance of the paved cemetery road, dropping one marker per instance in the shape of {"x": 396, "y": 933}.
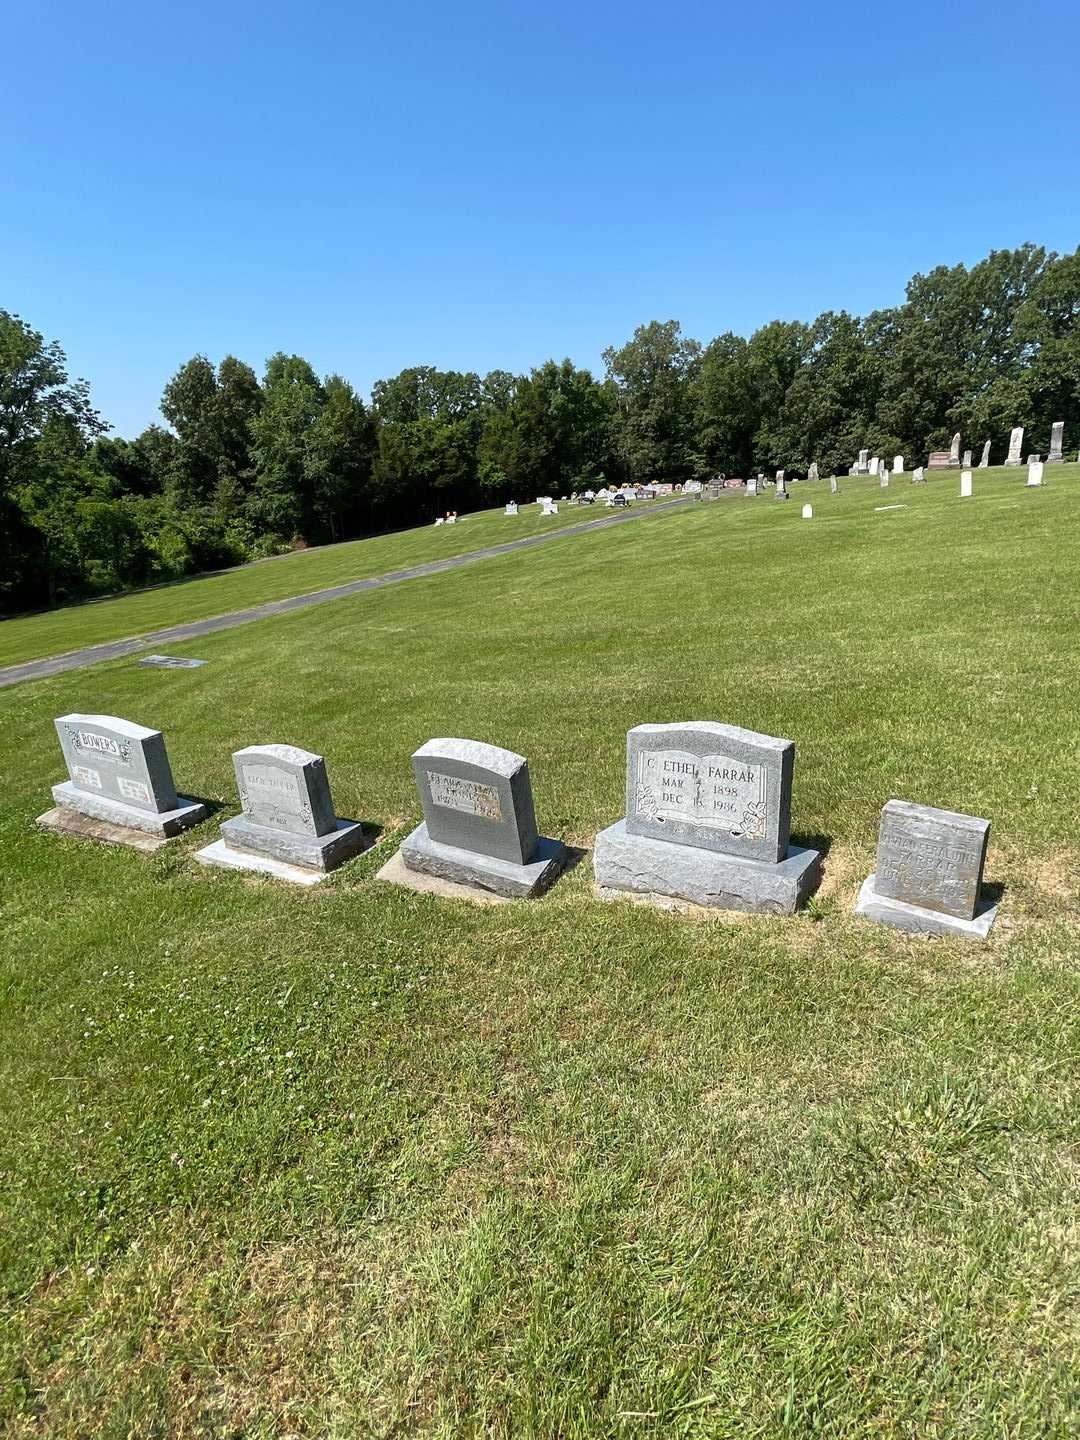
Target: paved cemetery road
{"x": 117, "y": 649}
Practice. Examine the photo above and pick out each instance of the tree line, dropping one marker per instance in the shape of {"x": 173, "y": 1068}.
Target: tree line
{"x": 246, "y": 467}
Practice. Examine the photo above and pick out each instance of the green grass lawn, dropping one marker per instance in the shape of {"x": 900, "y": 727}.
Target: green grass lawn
{"x": 55, "y": 632}
{"x": 356, "y": 1162}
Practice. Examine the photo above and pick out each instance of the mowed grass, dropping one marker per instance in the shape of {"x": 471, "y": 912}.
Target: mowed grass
{"x": 55, "y": 632}
{"x": 357, "y": 1162}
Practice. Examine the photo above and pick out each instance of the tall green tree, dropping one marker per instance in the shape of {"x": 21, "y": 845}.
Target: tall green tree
{"x": 652, "y": 376}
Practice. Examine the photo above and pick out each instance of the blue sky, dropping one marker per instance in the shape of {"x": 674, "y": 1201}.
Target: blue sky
{"x": 479, "y": 185}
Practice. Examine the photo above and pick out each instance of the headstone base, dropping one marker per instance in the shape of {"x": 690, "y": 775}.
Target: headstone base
{"x": 69, "y": 822}
{"x": 221, "y": 855}
{"x": 166, "y": 823}
{"x": 517, "y": 882}
{"x": 394, "y": 872}
{"x": 704, "y": 877}
{"x": 311, "y": 852}
{"x": 885, "y": 911}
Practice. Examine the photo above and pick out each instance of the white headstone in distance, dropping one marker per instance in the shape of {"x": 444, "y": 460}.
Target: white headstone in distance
{"x": 985, "y": 461}
{"x": 954, "y": 450}
{"x": 834, "y": 485}
{"x": 898, "y": 465}
{"x": 965, "y": 483}
{"x": 1057, "y": 439}
{"x": 440, "y": 521}
{"x": 1035, "y": 471}
{"x": 807, "y": 512}
{"x": 1016, "y": 444}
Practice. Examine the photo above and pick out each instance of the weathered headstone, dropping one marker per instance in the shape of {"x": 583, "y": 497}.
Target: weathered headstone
{"x": 883, "y": 475}
{"x": 954, "y": 450}
{"x": 898, "y": 465}
{"x": 119, "y": 774}
{"x": 169, "y": 662}
{"x": 863, "y": 462}
{"x": 1035, "y": 470}
{"x": 929, "y": 872}
{"x": 874, "y": 463}
{"x": 287, "y": 826}
{"x": 1057, "y": 440}
{"x": 752, "y": 486}
{"x": 708, "y": 809}
{"x": 479, "y": 827}
{"x": 918, "y": 476}
{"x": 1016, "y": 444}
{"x": 985, "y": 461}
{"x": 965, "y": 483}
{"x": 834, "y": 485}
{"x": 967, "y": 460}
{"x": 781, "y": 486}
{"x": 511, "y": 508}
{"x": 807, "y": 512}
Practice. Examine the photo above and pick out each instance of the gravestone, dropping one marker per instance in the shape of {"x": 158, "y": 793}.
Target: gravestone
{"x": 834, "y": 485}
{"x": 1057, "y": 440}
{"x": 965, "y": 484}
{"x": 1016, "y": 444}
{"x": 1035, "y": 470}
{"x": 812, "y": 473}
{"x": 781, "y": 486}
{"x": 929, "y": 872}
{"x": 985, "y": 461}
{"x": 853, "y": 469}
{"x": 511, "y": 508}
{"x": 479, "y": 827}
{"x": 898, "y": 465}
{"x": 954, "y": 450}
{"x": 287, "y": 826}
{"x": 168, "y": 662}
{"x": 119, "y": 774}
{"x": 863, "y": 462}
{"x": 918, "y": 476}
{"x": 707, "y": 821}
{"x": 752, "y": 486}
{"x": 883, "y": 475}
{"x": 938, "y": 460}
{"x": 807, "y": 512}
{"x": 967, "y": 460}
{"x": 874, "y": 463}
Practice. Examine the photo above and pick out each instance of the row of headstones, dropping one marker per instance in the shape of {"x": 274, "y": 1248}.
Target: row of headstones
{"x": 951, "y": 458}
{"x": 708, "y": 812}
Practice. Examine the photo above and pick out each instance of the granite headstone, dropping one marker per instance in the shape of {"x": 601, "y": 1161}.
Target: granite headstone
{"x": 708, "y": 810}
{"x": 929, "y": 872}
{"x": 119, "y": 773}
{"x": 479, "y": 827}
{"x": 1057, "y": 440}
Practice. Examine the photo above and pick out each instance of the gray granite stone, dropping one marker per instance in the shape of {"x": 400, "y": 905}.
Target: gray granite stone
{"x": 919, "y": 921}
{"x": 524, "y": 881}
{"x": 164, "y": 823}
{"x": 168, "y": 662}
{"x": 717, "y": 787}
{"x": 635, "y": 863}
{"x": 931, "y": 858}
{"x": 220, "y": 855}
{"x": 288, "y": 814}
{"x": 954, "y": 450}
{"x": 1016, "y": 445}
{"x": 985, "y": 461}
{"x": 284, "y": 788}
{"x": 115, "y": 760}
{"x": 477, "y": 797}
{"x": 1057, "y": 440}
{"x": 312, "y": 852}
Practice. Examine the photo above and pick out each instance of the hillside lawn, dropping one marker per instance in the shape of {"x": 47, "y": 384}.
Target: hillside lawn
{"x": 55, "y": 632}
{"x": 356, "y": 1162}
